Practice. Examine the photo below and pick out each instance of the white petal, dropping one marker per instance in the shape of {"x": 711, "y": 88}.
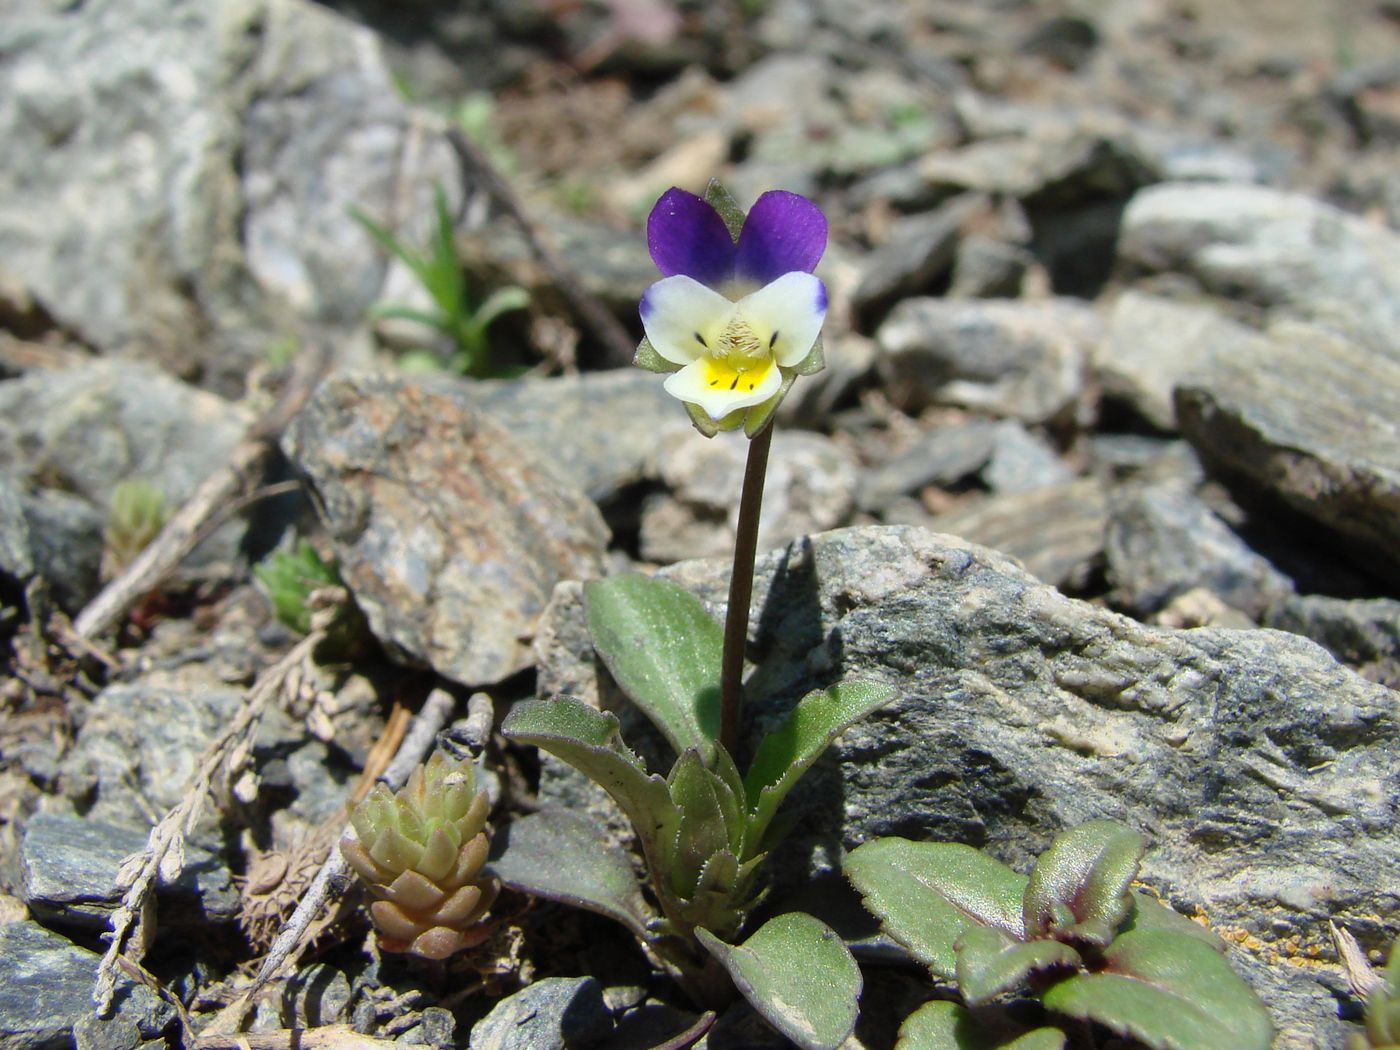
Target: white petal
{"x": 683, "y": 318}
{"x": 719, "y": 390}
{"x": 787, "y": 315}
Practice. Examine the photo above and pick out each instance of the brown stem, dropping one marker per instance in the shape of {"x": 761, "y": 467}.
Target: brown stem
{"x": 736, "y": 622}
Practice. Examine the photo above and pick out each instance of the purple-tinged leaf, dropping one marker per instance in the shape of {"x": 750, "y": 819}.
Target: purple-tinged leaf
{"x": 1079, "y": 888}
{"x": 990, "y": 962}
{"x": 1169, "y": 991}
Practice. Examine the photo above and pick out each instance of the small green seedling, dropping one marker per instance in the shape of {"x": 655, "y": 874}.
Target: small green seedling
{"x": 1071, "y": 936}
{"x": 1382, "y": 1010}
{"x": 302, "y": 586}
{"x": 135, "y": 517}
{"x": 456, "y": 313}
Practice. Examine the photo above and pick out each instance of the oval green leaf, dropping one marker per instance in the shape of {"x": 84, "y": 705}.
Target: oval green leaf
{"x": 798, "y": 975}
{"x": 941, "y": 1025}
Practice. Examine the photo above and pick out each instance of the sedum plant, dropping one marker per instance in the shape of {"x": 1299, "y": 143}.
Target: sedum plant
{"x": 421, "y": 852}
{"x": 1382, "y": 1010}
{"x": 1072, "y": 935}
{"x": 457, "y": 313}
{"x": 135, "y": 517}
{"x": 736, "y": 317}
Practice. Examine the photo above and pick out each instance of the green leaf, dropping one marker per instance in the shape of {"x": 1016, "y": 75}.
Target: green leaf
{"x": 1383, "y": 1005}
{"x": 409, "y": 313}
{"x": 719, "y": 198}
{"x": 565, "y": 857}
{"x": 664, "y": 650}
{"x": 789, "y": 751}
{"x": 990, "y": 962}
{"x": 1078, "y": 890}
{"x": 1147, "y": 914}
{"x": 1170, "y": 991}
{"x": 798, "y": 975}
{"x": 647, "y": 357}
{"x": 942, "y": 1025}
{"x": 389, "y": 243}
{"x": 501, "y": 301}
{"x": 928, "y": 894}
{"x": 705, "y": 806}
{"x": 588, "y": 741}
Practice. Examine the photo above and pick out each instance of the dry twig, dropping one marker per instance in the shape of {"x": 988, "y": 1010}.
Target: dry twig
{"x": 605, "y": 327}
{"x": 331, "y": 1037}
{"x": 164, "y": 854}
{"x": 1360, "y": 974}
{"x": 186, "y": 528}
{"x": 335, "y": 876}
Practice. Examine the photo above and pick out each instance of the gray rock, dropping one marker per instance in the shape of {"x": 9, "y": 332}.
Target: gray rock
{"x": 1021, "y": 461}
{"x": 557, "y": 1013}
{"x": 1261, "y": 771}
{"x": 46, "y": 987}
{"x": 624, "y": 412}
{"x": 1310, "y": 416}
{"x": 1362, "y": 633}
{"x": 69, "y": 870}
{"x": 318, "y": 995}
{"x": 1163, "y": 541}
{"x": 140, "y": 744}
{"x": 920, "y": 250}
{"x": 1025, "y": 360}
{"x": 178, "y": 184}
{"x": 85, "y": 429}
{"x": 449, "y": 532}
{"x": 16, "y": 555}
{"x": 436, "y": 1027}
{"x": 1153, "y": 345}
{"x": 810, "y": 487}
{"x": 1284, "y": 251}
{"x": 987, "y": 268}
{"x": 1056, "y": 531}
{"x": 65, "y": 533}
{"x": 941, "y": 456}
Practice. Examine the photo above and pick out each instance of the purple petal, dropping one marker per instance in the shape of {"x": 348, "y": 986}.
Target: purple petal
{"x": 686, "y": 236}
{"x": 783, "y": 232}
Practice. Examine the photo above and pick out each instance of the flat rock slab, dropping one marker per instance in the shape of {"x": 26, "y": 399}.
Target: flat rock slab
{"x": 449, "y": 531}
{"x": 1024, "y": 360}
{"x": 1261, "y": 771}
{"x": 557, "y": 1013}
{"x": 1314, "y": 418}
{"x": 1284, "y": 251}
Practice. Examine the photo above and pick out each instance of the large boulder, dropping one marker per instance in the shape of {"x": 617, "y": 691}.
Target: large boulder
{"x": 1261, "y": 771}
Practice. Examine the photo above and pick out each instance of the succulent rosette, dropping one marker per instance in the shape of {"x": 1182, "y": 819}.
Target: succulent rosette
{"x": 737, "y": 315}
{"x": 421, "y": 852}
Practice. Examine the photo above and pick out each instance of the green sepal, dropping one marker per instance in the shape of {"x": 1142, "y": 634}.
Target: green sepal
{"x": 990, "y": 962}
{"x": 588, "y": 740}
{"x": 719, "y": 198}
{"x": 1172, "y": 992}
{"x": 799, "y": 976}
{"x": 647, "y": 357}
{"x": 705, "y": 817}
{"x": 1078, "y": 890}
{"x": 664, "y": 650}
{"x": 941, "y": 1025}
{"x": 757, "y": 417}
{"x": 565, "y": 857}
{"x": 789, "y": 751}
{"x": 738, "y": 820}
{"x": 814, "y": 362}
{"x": 928, "y": 894}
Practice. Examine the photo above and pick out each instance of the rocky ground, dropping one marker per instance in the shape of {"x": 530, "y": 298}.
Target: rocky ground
{"x": 1103, "y": 473}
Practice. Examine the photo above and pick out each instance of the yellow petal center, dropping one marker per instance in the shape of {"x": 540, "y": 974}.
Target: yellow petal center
{"x": 736, "y": 372}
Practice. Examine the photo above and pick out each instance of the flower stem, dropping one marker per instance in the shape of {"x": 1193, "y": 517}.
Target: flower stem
{"x": 736, "y": 621}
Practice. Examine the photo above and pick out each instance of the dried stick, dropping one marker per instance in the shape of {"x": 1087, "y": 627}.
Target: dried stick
{"x": 186, "y": 528}
{"x": 334, "y": 877}
{"x": 331, "y": 1037}
{"x": 605, "y": 327}
{"x": 164, "y": 854}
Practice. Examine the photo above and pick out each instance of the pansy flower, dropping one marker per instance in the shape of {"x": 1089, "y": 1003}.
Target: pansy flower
{"x": 737, "y": 315}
